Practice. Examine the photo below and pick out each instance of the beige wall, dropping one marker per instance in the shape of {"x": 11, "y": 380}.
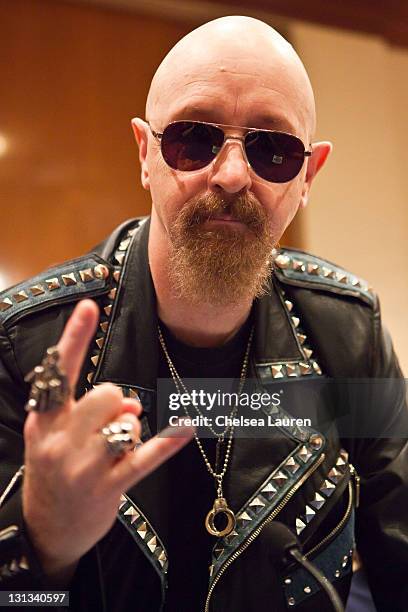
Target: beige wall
{"x": 358, "y": 214}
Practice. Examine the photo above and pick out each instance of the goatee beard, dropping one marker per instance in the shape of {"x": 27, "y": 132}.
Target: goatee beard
{"x": 220, "y": 264}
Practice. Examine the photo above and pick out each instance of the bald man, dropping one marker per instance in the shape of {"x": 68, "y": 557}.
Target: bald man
{"x": 94, "y": 501}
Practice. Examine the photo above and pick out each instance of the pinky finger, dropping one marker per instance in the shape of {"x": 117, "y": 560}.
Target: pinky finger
{"x": 137, "y": 465}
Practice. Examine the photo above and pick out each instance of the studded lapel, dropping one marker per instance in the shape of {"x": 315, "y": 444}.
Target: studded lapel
{"x": 126, "y": 353}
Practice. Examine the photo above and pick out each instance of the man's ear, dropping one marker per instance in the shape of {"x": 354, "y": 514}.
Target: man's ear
{"x": 320, "y": 152}
{"x": 141, "y": 132}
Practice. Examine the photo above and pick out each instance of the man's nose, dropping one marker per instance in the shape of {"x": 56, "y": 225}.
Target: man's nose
{"x": 230, "y": 170}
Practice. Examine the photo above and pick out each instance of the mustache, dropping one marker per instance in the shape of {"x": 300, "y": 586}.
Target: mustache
{"x": 244, "y": 208}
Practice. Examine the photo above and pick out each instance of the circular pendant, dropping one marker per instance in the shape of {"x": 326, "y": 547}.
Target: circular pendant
{"x": 220, "y": 507}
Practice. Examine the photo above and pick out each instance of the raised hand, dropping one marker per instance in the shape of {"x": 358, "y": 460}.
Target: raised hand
{"x": 72, "y": 484}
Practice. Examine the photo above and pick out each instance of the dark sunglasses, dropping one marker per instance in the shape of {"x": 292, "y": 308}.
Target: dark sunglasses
{"x": 192, "y": 145}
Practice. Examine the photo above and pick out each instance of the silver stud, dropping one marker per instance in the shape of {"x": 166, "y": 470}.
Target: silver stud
{"x": 52, "y": 283}
{"x": 341, "y": 464}
{"x": 14, "y": 569}
{"x": 218, "y": 550}
{"x": 100, "y": 341}
{"x": 23, "y": 563}
{"x": 316, "y": 368}
{"x": 104, "y": 326}
{"x": 334, "y": 475}
{"x": 308, "y": 352}
{"x": 134, "y": 514}
{"x": 132, "y": 231}
{"x": 327, "y": 488}
{"x": 337, "y": 573}
{"x": 301, "y": 338}
{"x": 101, "y": 271}
{"x": 355, "y": 282}
{"x": 231, "y": 537}
{"x": 295, "y": 321}
{"x": 5, "y": 304}
{"x": 133, "y": 394}
{"x": 116, "y": 275}
{"x": 328, "y": 272}
{"x": 107, "y": 310}
{"x": 298, "y": 265}
{"x": 152, "y": 544}
{"x": 304, "y": 454}
{"x": 291, "y": 601}
{"x": 291, "y": 369}
{"x": 162, "y": 559}
{"x": 142, "y": 530}
{"x": 124, "y": 244}
{"x": 282, "y": 261}
{"x": 309, "y": 514}
{"x": 69, "y": 279}
{"x": 289, "y": 305}
{"x": 313, "y": 269}
{"x": 257, "y": 504}
{"x": 341, "y": 277}
{"x": 300, "y": 525}
{"x": 305, "y": 368}
{"x": 86, "y": 275}
{"x": 119, "y": 258}
{"x": 291, "y": 465}
{"x": 243, "y": 519}
{"x": 21, "y": 296}
{"x": 277, "y": 371}
{"x": 318, "y": 501}
{"x": 112, "y": 293}
{"x": 95, "y": 360}
{"x": 122, "y": 502}
{"x": 37, "y": 290}
{"x": 316, "y": 441}
{"x": 269, "y": 491}
{"x": 288, "y": 581}
{"x": 280, "y": 478}
{"x": 307, "y": 589}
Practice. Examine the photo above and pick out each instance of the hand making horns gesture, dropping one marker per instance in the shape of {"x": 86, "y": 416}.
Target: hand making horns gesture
{"x": 72, "y": 483}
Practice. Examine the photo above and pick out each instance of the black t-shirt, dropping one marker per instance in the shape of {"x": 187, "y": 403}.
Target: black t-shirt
{"x": 190, "y": 544}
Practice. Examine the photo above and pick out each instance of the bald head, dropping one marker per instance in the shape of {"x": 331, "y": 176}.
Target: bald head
{"x": 233, "y": 67}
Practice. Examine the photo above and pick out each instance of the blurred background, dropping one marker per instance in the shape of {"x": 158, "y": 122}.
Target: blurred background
{"x": 73, "y": 74}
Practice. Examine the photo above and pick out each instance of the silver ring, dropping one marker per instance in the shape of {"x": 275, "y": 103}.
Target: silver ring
{"x": 119, "y": 437}
{"x": 49, "y": 384}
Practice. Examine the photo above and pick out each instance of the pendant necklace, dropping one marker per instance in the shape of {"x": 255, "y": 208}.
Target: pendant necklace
{"x": 220, "y": 505}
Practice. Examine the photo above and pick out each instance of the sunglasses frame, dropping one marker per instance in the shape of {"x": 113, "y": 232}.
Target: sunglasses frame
{"x": 247, "y": 130}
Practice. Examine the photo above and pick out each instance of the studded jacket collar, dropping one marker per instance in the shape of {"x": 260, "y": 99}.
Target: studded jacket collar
{"x": 317, "y": 320}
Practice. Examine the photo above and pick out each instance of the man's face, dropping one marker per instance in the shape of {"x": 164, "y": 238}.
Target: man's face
{"x": 225, "y": 213}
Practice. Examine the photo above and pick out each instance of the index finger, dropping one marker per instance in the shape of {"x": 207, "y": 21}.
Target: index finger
{"x": 74, "y": 342}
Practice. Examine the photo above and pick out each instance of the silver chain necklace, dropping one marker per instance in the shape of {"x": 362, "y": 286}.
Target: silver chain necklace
{"x": 220, "y": 505}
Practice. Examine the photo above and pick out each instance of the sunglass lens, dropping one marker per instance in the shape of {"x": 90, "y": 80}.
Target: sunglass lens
{"x": 274, "y": 156}
{"x": 187, "y": 145}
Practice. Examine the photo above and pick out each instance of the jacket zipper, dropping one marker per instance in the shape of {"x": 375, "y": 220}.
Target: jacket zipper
{"x": 258, "y": 530}
{"x": 354, "y": 495}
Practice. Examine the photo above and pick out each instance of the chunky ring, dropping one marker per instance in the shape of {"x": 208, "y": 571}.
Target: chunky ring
{"x": 119, "y": 437}
{"x": 49, "y": 384}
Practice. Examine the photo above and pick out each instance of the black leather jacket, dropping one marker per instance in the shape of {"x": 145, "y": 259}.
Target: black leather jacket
{"x": 318, "y": 322}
